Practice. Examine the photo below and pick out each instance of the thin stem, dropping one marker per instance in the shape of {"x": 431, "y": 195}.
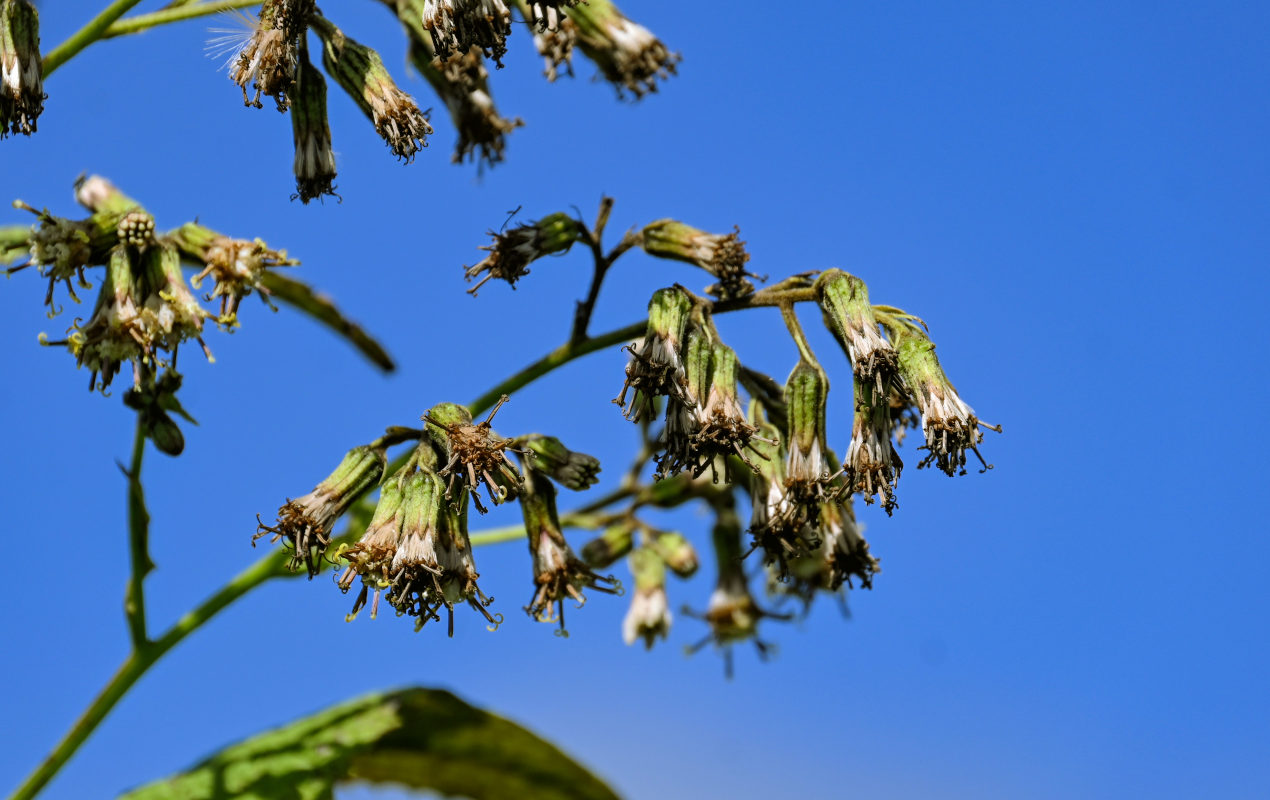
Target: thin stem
{"x": 796, "y": 331}
{"x": 594, "y": 240}
{"x": 138, "y": 543}
{"x": 176, "y": 13}
{"x": 86, "y": 35}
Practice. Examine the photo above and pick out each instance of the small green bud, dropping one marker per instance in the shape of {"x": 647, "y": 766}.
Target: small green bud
{"x": 656, "y": 367}
{"x": 948, "y": 423}
{"x": 165, "y": 434}
{"x": 616, "y": 541}
{"x": 806, "y": 391}
{"x": 649, "y": 616}
{"x": 306, "y": 523}
{"x": 575, "y": 471}
{"x": 360, "y": 71}
{"x": 514, "y": 250}
{"x": 723, "y": 256}
{"x": 629, "y": 56}
{"x": 311, "y": 131}
{"x": 676, "y": 551}
{"x": 21, "y": 68}
{"x": 844, "y": 301}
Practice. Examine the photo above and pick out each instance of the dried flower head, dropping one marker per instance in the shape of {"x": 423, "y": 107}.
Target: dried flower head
{"x": 475, "y": 453}
{"x": 21, "y": 68}
{"x": 841, "y": 558}
{"x": 265, "y": 56}
{"x": 512, "y": 251}
{"x": 306, "y": 522}
{"x": 649, "y": 616}
{"x": 360, "y": 71}
{"x": 558, "y": 573}
{"x": 844, "y": 301}
{"x": 371, "y": 556}
{"x": 548, "y": 15}
{"x": 236, "y": 266}
{"x": 462, "y": 82}
{"x": 555, "y": 45}
{"x": 656, "y": 368}
{"x": 872, "y": 466}
{"x": 576, "y": 471}
{"x": 458, "y": 25}
{"x": 779, "y": 526}
{"x": 311, "y": 131}
{"x": 949, "y": 425}
{"x": 723, "y": 256}
{"x": 61, "y": 248}
{"x": 628, "y": 55}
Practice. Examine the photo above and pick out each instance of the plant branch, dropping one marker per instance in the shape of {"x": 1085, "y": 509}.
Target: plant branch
{"x": 173, "y": 13}
{"x": 138, "y": 543}
{"x": 86, "y": 35}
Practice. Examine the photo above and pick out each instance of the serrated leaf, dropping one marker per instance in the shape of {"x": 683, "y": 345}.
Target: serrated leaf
{"x": 424, "y": 739}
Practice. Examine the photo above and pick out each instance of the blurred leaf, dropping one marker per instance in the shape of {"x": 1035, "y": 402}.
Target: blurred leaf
{"x": 13, "y": 242}
{"x": 299, "y": 295}
{"x": 418, "y": 738}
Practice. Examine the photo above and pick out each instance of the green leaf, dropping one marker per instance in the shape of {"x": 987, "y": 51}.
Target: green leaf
{"x": 320, "y": 307}
{"x": 424, "y": 739}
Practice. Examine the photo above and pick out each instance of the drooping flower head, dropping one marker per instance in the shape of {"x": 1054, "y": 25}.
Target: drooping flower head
{"x": 514, "y": 250}
{"x": 459, "y": 25}
{"x": 723, "y": 256}
{"x": 649, "y": 616}
{"x": 360, "y": 71}
{"x": 21, "y": 68}
{"x": 576, "y": 471}
{"x": 236, "y": 266}
{"x": 872, "y": 467}
{"x": 779, "y": 524}
{"x": 629, "y": 56}
{"x": 806, "y": 465}
{"x": 314, "y": 164}
{"x": 844, "y": 301}
{"x": 462, "y": 82}
{"x": 267, "y": 58}
{"x": 656, "y": 368}
{"x": 306, "y": 522}
{"x": 948, "y": 423}
{"x": 841, "y": 558}
{"x": 558, "y": 573}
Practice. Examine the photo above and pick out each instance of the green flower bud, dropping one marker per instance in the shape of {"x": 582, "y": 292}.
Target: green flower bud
{"x": 459, "y": 25}
{"x": 514, "y": 250}
{"x": 649, "y": 616}
{"x": 267, "y": 59}
{"x": 872, "y": 465}
{"x": 21, "y": 68}
{"x": 558, "y": 573}
{"x": 675, "y": 551}
{"x": 608, "y": 547}
{"x": 844, "y": 301}
{"x": 576, "y": 471}
{"x": 656, "y": 367}
{"x": 628, "y": 54}
{"x": 311, "y": 131}
{"x": 360, "y": 71}
{"x": 475, "y": 454}
{"x": 306, "y": 523}
{"x": 371, "y": 557}
{"x": 948, "y": 423}
{"x": 723, "y": 256}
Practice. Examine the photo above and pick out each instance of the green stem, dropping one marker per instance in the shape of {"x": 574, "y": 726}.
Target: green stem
{"x": 138, "y": 543}
{"x": 172, "y": 14}
{"x": 86, "y": 35}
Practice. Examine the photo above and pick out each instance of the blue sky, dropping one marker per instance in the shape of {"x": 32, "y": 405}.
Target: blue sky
{"x": 1073, "y": 195}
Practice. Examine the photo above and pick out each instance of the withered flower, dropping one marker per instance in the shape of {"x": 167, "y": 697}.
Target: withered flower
{"x": 656, "y": 368}
{"x": 547, "y": 15}
{"x": 236, "y": 266}
{"x": 844, "y": 301}
{"x": 475, "y": 454}
{"x": 314, "y": 164}
{"x": 949, "y": 424}
{"x": 463, "y": 83}
{"x": 723, "y": 256}
{"x": 267, "y": 59}
{"x": 628, "y": 55}
{"x": 306, "y": 522}
{"x": 841, "y": 558}
{"x": 872, "y": 466}
{"x": 360, "y": 71}
{"x": 512, "y": 251}
{"x": 558, "y": 573}
{"x": 555, "y": 45}
{"x": 806, "y": 465}
{"x": 458, "y": 25}
{"x": 779, "y": 525}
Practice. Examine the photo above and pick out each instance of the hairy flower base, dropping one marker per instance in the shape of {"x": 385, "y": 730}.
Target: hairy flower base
{"x": 559, "y": 574}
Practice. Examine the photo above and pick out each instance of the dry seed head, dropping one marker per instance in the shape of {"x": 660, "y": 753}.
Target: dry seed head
{"x": 556, "y": 48}
{"x": 476, "y": 455}
{"x": 844, "y": 301}
{"x": 268, "y": 55}
{"x": 872, "y": 466}
{"x": 458, "y": 25}
{"x": 628, "y": 55}
{"x": 512, "y": 251}
{"x": 463, "y": 83}
{"x": 723, "y": 256}
{"x": 656, "y": 367}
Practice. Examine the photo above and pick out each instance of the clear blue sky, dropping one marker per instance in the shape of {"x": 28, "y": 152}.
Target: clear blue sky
{"x": 1074, "y": 195}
